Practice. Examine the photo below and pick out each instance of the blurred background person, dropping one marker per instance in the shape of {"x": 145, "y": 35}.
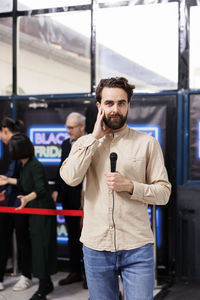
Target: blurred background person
{"x": 35, "y": 193}
{"x": 70, "y": 198}
{"x": 9, "y": 222}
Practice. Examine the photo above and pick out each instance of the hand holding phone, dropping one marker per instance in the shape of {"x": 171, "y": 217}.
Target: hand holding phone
{"x": 99, "y": 127}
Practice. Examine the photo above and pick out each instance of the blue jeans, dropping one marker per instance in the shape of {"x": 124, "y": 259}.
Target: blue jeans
{"x": 135, "y": 266}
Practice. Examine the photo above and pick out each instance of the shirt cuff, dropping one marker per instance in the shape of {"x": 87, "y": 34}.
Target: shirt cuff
{"x": 138, "y": 193}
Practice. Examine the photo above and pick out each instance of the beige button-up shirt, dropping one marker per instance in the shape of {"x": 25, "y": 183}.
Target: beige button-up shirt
{"x": 141, "y": 160}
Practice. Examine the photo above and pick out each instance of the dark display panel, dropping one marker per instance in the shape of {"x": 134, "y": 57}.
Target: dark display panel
{"x": 46, "y": 128}
{"x": 194, "y": 137}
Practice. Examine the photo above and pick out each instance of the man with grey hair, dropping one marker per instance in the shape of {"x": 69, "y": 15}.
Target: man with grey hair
{"x": 70, "y": 198}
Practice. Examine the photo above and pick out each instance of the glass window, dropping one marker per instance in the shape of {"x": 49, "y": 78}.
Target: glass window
{"x": 194, "y": 137}
{"x": 37, "y": 4}
{"x": 54, "y": 53}
{"x": 6, "y": 6}
{"x": 6, "y": 56}
{"x": 194, "y": 61}
{"x": 140, "y": 43}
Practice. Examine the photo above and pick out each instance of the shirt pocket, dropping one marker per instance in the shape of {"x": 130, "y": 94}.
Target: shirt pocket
{"x": 134, "y": 167}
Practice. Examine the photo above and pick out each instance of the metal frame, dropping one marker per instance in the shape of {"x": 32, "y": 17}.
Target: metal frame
{"x": 185, "y": 159}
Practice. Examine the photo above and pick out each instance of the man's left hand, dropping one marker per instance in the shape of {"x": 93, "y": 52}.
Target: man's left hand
{"x": 119, "y": 183}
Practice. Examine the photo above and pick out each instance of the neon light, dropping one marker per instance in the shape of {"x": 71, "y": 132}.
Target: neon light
{"x": 47, "y": 142}
{"x": 60, "y": 219}
{"x": 153, "y": 130}
{"x": 159, "y": 220}
{"x": 63, "y": 238}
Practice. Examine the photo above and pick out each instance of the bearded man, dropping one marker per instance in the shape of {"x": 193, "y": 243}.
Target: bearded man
{"x": 117, "y": 236}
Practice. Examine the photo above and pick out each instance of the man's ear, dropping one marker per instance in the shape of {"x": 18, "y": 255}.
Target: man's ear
{"x": 82, "y": 126}
{"x": 98, "y": 104}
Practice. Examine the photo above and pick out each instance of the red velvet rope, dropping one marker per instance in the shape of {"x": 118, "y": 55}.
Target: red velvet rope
{"x": 41, "y": 211}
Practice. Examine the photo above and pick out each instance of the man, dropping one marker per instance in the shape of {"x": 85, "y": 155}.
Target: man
{"x": 116, "y": 235}
{"x": 71, "y": 199}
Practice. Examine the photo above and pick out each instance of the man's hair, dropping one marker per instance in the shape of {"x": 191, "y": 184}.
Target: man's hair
{"x": 115, "y": 82}
{"x": 81, "y": 119}
{"x": 13, "y": 126}
{"x": 20, "y": 147}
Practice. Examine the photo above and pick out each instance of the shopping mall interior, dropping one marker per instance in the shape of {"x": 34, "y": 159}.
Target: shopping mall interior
{"x": 53, "y": 55}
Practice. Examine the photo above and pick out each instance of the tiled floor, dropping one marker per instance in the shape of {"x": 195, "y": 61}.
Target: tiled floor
{"x": 71, "y": 292}
{"x": 184, "y": 290}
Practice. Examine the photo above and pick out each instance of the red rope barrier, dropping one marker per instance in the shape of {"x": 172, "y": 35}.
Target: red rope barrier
{"x": 41, "y": 211}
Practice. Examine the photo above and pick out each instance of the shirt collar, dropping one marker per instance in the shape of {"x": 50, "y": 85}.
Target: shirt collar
{"x": 119, "y": 133}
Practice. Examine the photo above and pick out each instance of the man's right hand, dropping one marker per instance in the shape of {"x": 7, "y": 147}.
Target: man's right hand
{"x": 100, "y": 129}
{"x": 3, "y": 180}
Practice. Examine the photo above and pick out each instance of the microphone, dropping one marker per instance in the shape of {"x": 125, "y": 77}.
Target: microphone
{"x": 113, "y": 161}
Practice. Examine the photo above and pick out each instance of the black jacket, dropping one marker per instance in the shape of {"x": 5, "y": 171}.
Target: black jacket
{"x": 70, "y": 196}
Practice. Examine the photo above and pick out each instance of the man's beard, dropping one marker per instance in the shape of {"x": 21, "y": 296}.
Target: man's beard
{"x": 115, "y": 123}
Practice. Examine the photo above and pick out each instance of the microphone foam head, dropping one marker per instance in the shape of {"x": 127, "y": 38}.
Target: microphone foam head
{"x": 113, "y": 156}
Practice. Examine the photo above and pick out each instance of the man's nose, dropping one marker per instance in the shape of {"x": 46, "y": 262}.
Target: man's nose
{"x": 115, "y": 108}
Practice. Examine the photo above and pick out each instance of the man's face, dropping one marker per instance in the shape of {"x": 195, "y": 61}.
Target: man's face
{"x": 115, "y": 104}
{"x": 74, "y": 129}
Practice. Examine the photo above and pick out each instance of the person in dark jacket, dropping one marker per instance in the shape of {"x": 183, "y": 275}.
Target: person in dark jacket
{"x": 35, "y": 193}
{"x": 9, "y": 222}
{"x": 71, "y": 199}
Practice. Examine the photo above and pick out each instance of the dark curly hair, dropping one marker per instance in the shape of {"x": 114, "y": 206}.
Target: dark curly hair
{"x": 13, "y": 126}
{"x": 115, "y": 82}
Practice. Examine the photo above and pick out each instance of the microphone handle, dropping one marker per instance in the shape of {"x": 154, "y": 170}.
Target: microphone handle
{"x": 113, "y": 165}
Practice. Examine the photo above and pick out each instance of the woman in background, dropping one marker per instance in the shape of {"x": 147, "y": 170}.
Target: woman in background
{"x": 35, "y": 193}
{"x": 9, "y": 222}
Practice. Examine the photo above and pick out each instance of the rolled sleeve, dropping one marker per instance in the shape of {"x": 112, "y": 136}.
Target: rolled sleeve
{"x": 156, "y": 194}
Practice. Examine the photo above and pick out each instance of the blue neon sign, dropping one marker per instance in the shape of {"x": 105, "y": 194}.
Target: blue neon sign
{"x": 153, "y": 130}
{"x": 159, "y": 220}
{"x": 47, "y": 142}
{"x": 62, "y": 236}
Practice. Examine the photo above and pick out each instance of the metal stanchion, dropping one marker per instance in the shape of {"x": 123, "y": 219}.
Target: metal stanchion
{"x": 157, "y": 288}
{"x": 14, "y": 260}
{"x": 155, "y": 242}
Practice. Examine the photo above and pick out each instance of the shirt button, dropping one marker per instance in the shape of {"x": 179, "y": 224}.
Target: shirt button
{"x": 111, "y": 227}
